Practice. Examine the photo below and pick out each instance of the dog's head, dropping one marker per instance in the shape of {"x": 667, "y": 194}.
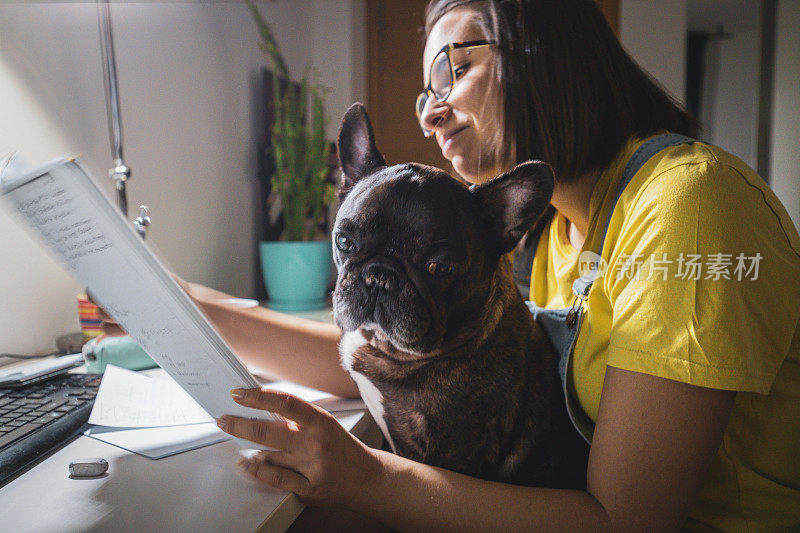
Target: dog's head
{"x": 417, "y": 251}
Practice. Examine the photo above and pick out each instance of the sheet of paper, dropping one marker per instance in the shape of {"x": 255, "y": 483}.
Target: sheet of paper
{"x": 334, "y": 404}
{"x": 30, "y": 369}
{"x": 63, "y": 205}
{"x": 152, "y": 416}
{"x": 159, "y": 442}
{"x": 329, "y": 402}
{"x": 129, "y": 399}
{"x": 304, "y": 393}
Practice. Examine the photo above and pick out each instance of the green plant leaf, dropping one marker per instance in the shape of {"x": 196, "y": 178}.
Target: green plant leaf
{"x": 298, "y": 141}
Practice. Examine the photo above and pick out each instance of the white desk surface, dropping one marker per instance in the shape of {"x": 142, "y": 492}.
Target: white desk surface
{"x": 199, "y": 490}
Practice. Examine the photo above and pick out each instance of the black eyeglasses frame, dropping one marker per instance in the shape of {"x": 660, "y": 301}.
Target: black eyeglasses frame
{"x": 422, "y": 98}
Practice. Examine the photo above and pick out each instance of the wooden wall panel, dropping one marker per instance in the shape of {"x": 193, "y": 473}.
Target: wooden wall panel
{"x": 610, "y": 9}
{"x": 395, "y": 37}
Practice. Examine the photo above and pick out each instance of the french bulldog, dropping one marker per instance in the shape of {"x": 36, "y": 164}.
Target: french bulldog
{"x": 436, "y": 336}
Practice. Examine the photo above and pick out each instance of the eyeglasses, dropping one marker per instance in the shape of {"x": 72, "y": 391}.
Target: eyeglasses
{"x": 444, "y": 72}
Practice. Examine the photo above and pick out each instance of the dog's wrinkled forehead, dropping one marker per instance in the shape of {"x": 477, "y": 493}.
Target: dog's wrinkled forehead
{"x": 406, "y": 194}
{"x": 369, "y": 192}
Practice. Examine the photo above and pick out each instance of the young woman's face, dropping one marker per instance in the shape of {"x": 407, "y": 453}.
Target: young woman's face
{"x": 468, "y": 124}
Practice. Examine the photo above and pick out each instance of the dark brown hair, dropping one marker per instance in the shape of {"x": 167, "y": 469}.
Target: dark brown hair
{"x": 571, "y": 95}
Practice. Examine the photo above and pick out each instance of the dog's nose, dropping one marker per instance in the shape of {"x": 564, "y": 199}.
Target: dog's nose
{"x": 381, "y": 275}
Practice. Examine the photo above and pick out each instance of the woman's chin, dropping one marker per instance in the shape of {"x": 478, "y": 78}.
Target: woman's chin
{"x": 470, "y": 172}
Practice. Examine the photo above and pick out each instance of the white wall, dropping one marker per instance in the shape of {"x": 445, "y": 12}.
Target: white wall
{"x": 654, "y": 34}
{"x": 188, "y": 76}
{"x": 785, "y": 148}
{"x": 340, "y": 58}
{"x": 37, "y": 299}
{"x": 734, "y": 64}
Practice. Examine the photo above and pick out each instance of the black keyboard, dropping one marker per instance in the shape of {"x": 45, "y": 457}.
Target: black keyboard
{"x": 39, "y": 418}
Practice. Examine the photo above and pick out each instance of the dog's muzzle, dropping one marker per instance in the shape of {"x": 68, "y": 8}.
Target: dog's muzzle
{"x": 382, "y": 295}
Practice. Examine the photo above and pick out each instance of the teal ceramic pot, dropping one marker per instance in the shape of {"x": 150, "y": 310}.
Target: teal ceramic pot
{"x": 296, "y": 274}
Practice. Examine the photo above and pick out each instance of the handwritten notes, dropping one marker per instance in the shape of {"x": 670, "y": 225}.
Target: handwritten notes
{"x": 52, "y": 209}
{"x": 132, "y": 400}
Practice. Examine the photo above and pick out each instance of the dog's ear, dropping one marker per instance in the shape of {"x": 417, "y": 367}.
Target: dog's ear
{"x": 357, "y": 151}
{"x": 514, "y": 201}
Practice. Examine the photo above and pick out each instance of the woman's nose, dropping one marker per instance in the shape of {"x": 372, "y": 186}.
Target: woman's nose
{"x": 433, "y": 113}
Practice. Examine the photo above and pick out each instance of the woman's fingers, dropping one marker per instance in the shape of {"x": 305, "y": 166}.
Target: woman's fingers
{"x": 278, "y": 434}
{"x": 112, "y": 329}
{"x": 275, "y": 457}
{"x": 314, "y": 456}
{"x": 279, "y": 402}
{"x": 109, "y": 325}
{"x": 180, "y": 281}
{"x": 261, "y": 468}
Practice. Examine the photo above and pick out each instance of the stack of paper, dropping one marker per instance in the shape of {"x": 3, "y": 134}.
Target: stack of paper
{"x": 151, "y": 416}
{"x": 64, "y": 206}
{"x": 329, "y": 402}
{"x": 155, "y": 417}
{"x": 23, "y": 372}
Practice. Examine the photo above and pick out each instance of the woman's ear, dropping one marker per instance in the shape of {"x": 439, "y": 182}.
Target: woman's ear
{"x": 358, "y": 154}
{"x": 514, "y": 201}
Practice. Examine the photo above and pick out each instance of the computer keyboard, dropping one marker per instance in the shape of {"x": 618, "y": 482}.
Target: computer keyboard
{"x": 38, "y": 418}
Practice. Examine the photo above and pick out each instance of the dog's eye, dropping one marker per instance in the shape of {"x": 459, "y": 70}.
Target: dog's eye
{"x": 345, "y": 243}
{"x": 439, "y": 269}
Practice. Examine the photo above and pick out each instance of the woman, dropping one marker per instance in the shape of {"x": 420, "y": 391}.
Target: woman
{"x": 692, "y": 380}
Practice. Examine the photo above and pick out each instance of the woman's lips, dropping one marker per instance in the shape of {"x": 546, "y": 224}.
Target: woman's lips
{"x": 447, "y": 139}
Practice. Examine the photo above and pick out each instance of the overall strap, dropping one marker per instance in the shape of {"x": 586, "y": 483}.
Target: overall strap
{"x": 523, "y": 259}
{"x": 648, "y": 149}
{"x": 641, "y": 156}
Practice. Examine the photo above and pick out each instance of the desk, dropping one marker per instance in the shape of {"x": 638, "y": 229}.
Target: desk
{"x": 198, "y": 490}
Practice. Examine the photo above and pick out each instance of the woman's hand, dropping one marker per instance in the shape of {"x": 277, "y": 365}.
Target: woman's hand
{"x": 314, "y": 456}
{"x": 109, "y": 325}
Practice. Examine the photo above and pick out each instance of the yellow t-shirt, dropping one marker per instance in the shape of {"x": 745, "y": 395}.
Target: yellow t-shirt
{"x": 692, "y": 216}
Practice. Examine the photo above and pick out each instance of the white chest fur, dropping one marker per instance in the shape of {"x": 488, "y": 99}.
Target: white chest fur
{"x": 372, "y": 397}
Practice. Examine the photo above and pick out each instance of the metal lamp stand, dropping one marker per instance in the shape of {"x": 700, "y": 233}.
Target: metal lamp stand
{"x": 119, "y": 172}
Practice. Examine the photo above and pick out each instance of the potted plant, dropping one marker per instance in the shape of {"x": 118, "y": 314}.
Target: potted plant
{"x": 296, "y": 268}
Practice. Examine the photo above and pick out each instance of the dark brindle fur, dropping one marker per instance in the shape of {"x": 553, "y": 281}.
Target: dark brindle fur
{"x": 448, "y": 358}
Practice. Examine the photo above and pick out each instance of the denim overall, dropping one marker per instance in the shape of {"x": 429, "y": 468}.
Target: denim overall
{"x": 562, "y": 325}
